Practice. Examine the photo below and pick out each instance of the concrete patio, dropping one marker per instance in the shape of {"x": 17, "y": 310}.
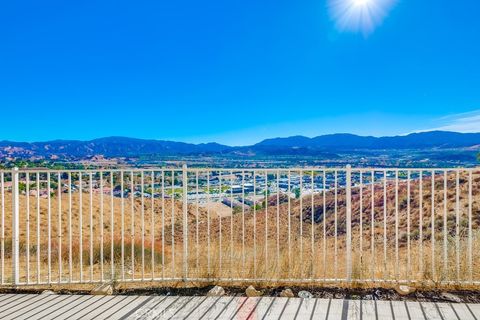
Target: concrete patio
{"x": 56, "y": 306}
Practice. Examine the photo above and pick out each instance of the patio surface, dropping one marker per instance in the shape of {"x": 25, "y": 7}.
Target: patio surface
{"x": 58, "y": 306}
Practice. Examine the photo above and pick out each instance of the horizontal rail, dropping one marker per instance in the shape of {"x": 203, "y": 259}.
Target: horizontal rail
{"x": 260, "y": 169}
{"x": 425, "y": 283}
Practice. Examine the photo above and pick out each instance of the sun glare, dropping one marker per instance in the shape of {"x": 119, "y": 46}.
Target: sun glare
{"x": 359, "y": 15}
{"x": 360, "y": 2}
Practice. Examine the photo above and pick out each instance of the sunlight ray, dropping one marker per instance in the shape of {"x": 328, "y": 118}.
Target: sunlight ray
{"x": 359, "y": 15}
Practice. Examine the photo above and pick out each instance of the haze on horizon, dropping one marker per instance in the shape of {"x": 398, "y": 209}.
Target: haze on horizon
{"x": 236, "y": 72}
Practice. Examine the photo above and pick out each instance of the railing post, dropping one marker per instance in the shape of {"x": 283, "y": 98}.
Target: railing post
{"x": 15, "y": 228}
{"x": 349, "y": 220}
{"x": 185, "y": 222}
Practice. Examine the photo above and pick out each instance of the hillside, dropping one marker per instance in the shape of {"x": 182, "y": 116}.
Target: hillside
{"x": 322, "y": 146}
{"x": 109, "y": 147}
{"x": 432, "y": 139}
{"x": 264, "y": 223}
{"x": 262, "y": 219}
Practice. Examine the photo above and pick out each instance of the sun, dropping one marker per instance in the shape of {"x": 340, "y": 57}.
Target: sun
{"x": 359, "y": 15}
{"x": 360, "y": 3}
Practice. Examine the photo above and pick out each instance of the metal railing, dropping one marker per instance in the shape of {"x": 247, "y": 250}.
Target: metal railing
{"x": 337, "y": 225}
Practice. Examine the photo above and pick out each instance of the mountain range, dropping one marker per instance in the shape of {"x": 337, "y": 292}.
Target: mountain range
{"x": 296, "y": 145}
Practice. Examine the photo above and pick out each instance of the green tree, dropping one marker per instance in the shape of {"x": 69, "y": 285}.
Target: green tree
{"x": 297, "y": 193}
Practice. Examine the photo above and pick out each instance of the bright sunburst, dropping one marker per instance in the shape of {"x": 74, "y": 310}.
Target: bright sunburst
{"x": 360, "y": 2}
{"x": 359, "y": 15}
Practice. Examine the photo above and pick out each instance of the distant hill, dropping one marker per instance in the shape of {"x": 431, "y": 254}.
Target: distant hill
{"x": 321, "y": 146}
{"x": 431, "y": 139}
{"x": 110, "y": 147}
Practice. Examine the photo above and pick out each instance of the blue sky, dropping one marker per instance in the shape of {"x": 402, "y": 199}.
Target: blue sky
{"x": 234, "y": 72}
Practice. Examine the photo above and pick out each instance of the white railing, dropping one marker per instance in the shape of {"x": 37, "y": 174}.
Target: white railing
{"x": 264, "y": 225}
